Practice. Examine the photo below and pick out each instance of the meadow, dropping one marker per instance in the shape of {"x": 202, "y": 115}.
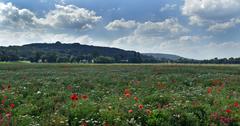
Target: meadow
{"x": 119, "y": 95}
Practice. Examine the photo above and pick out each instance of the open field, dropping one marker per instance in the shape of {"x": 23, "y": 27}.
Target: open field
{"x": 119, "y": 95}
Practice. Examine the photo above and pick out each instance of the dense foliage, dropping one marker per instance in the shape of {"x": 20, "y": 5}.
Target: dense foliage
{"x": 120, "y": 95}
{"x": 211, "y": 61}
{"x": 77, "y": 53}
{"x": 74, "y": 53}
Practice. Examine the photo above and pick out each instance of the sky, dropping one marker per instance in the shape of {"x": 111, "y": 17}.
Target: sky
{"x": 199, "y": 29}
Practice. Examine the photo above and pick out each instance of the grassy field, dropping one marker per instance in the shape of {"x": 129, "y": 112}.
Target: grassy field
{"x": 119, "y": 95}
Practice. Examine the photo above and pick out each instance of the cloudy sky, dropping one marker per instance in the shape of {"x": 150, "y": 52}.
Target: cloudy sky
{"x": 199, "y": 29}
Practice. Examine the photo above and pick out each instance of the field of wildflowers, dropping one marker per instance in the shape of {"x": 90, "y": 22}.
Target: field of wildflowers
{"x": 119, "y": 95}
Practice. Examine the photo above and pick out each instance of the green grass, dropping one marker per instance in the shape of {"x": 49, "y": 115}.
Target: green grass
{"x": 171, "y": 94}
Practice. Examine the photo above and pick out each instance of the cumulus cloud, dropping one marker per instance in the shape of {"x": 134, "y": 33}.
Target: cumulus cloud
{"x": 169, "y": 26}
{"x": 196, "y": 47}
{"x": 160, "y": 44}
{"x": 21, "y": 26}
{"x": 225, "y": 25}
{"x": 211, "y": 12}
{"x": 62, "y": 17}
{"x": 20, "y": 38}
{"x": 12, "y": 17}
{"x": 121, "y": 24}
{"x": 167, "y": 36}
{"x": 70, "y": 17}
{"x": 168, "y": 7}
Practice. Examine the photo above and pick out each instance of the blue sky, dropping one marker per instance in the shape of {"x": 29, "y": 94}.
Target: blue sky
{"x": 199, "y": 29}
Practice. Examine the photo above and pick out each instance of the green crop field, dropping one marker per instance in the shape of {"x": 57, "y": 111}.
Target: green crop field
{"x": 119, "y": 95}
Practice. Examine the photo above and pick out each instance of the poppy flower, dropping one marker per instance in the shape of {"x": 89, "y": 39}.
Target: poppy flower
{"x": 228, "y": 111}
{"x": 127, "y": 93}
{"x": 106, "y": 124}
{"x": 136, "y": 98}
{"x": 209, "y": 90}
{"x": 12, "y": 105}
{"x": 130, "y": 111}
{"x": 236, "y": 104}
{"x": 84, "y": 123}
{"x": 219, "y": 90}
{"x": 148, "y": 111}
{"x": 5, "y": 97}
{"x": 214, "y": 116}
{"x": 74, "y": 97}
{"x": 8, "y": 115}
{"x": 84, "y": 97}
{"x": 140, "y": 106}
{"x": 3, "y": 102}
{"x": 216, "y": 82}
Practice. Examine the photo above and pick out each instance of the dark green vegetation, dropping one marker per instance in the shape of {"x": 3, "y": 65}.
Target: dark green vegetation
{"x": 120, "y": 95}
{"x": 77, "y": 53}
{"x": 74, "y": 53}
{"x": 164, "y": 57}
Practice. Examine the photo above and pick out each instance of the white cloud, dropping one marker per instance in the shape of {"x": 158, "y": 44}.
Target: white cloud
{"x": 21, "y": 26}
{"x": 121, "y": 24}
{"x": 168, "y": 7}
{"x": 167, "y": 36}
{"x": 196, "y": 47}
{"x": 11, "y": 17}
{"x": 225, "y": 25}
{"x": 70, "y": 17}
{"x": 61, "y": 18}
{"x": 169, "y": 26}
{"x": 20, "y": 38}
{"x": 211, "y": 12}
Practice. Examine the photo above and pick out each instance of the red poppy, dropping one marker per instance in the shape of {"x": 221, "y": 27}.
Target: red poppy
{"x": 84, "y": 97}
{"x": 130, "y": 111}
{"x": 136, "y": 98}
{"x": 214, "y": 116}
{"x": 228, "y": 111}
{"x": 106, "y": 124}
{"x": 84, "y": 123}
{"x": 74, "y": 97}
{"x": 12, "y": 105}
{"x": 3, "y": 102}
{"x": 140, "y": 106}
{"x": 5, "y": 97}
{"x": 216, "y": 82}
{"x": 8, "y": 115}
{"x": 219, "y": 90}
{"x": 236, "y": 104}
{"x": 127, "y": 93}
{"x": 209, "y": 90}
{"x": 148, "y": 111}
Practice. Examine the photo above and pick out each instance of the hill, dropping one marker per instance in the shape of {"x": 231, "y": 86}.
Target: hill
{"x": 163, "y": 57}
{"x": 60, "y": 52}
